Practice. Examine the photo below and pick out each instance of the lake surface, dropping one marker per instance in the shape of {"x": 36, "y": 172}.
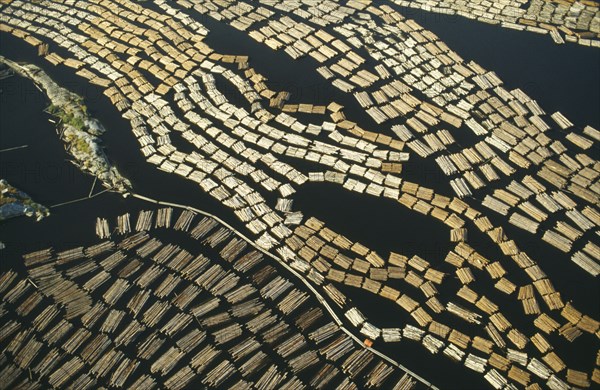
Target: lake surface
{"x": 564, "y": 78}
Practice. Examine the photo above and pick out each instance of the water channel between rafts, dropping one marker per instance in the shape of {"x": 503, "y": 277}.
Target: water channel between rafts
{"x": 564, "y": 78}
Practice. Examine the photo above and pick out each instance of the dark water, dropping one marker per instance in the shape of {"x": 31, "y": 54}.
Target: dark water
{"x": 120, "y": 144}
{"x": 43, "y": 169}
{"x": 564, "y": 78}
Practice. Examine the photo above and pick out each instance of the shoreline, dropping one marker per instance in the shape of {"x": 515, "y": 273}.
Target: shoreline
{"x": 15, "y": 203}
{"x": 79, "y": 131}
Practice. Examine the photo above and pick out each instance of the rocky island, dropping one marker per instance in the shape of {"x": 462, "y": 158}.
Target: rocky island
{"x": 15, "y": 203}
{"x": 78, "y": 130}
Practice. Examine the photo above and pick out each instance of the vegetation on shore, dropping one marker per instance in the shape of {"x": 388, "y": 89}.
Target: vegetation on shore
{"x": 14, "y": 203}
{"x": 78, "y": 129}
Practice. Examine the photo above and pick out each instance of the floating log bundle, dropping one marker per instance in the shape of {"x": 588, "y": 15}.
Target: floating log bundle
{"x": 123, "y": 224}
{"x": 181, "y": 335}
{"x": 235, "y": 153}
{"x": 102, "y": 229}
{"x": 144, "y": 220}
